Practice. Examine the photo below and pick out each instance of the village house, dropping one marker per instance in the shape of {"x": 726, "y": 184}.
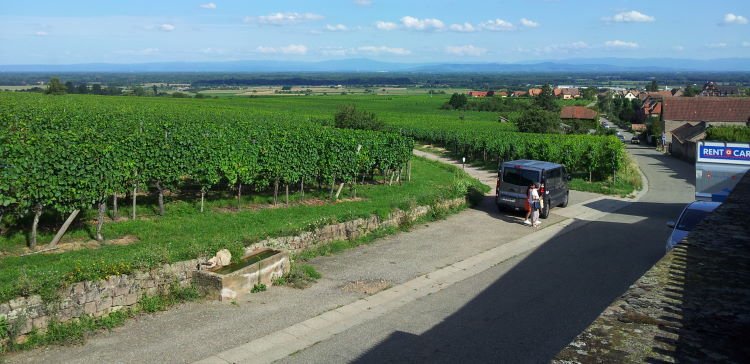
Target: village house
{"x": 519, "y": 93}
{"x": 477, "y": 93}
{"x": 712, "y": 89}
{"x": 534, "y": 92}
{"x": 685, "y": 138}
{"x": 570, "y": 93}
{"x": 678, "y": 111}
{"x": 501, "y": 94}
{"x": 629, "y": 94}
{"x": 577, "y": 112}
{"x": 651, "y": 107}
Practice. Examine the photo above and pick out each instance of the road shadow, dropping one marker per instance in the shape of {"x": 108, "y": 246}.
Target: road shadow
{"x": 535, "y": 309}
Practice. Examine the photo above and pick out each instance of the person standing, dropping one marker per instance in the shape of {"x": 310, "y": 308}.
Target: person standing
{"x": 528, "y": 205}
{"x": 535, "y": 205}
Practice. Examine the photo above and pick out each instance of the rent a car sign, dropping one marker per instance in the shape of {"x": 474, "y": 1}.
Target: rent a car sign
{"x": 724, "y": 153}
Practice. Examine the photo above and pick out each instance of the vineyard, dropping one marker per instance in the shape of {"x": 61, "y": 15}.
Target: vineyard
{"x": 69, "y": 153}
{"x": 475, "y": 134}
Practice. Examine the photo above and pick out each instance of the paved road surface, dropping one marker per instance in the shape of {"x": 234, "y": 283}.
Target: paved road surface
{"x": 527, "y": 308}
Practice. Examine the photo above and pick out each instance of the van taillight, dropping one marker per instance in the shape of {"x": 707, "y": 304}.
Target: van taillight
{"x": 499, "y": 182}
{"x": 541, "y": 190}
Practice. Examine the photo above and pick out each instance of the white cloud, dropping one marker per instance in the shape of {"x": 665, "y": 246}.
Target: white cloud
{"x": 717, "y": 45}
{"x": 385, "y": 25}
{"x": 529, "y": 23}
{"x": 41, "y": 34}
{"x": 212, "y": 51}
{"x": 166, "y": 27}
{"x": 464, "y": 28}
{"x": 337, "y": 51}
{"x": 466, "y": 50}
{"x": 678, "y": 48}
{"x": 620, "y": 44}
{"x": 734, "y": 19}
{"x": 138, "y": 52}
{"x": 497, "y": 25}
{"x": 296, "y": 49}
{"x": 336, "y": 28}
{"x": 630, "y": 17}
{"x": 363, "y": 2}
{"x": 565, "y": 48}
{"x": 284, "y": 18}
{"x": 208, "y": 6}
{"x": 411, "y": 22}
{"x": 376, "y": 50}
{"x": 746, "y": 44}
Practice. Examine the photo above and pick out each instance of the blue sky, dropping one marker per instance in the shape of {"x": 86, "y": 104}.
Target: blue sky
{"x": 136, "y": 31}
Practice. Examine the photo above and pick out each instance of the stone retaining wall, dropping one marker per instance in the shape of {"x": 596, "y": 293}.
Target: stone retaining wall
{"x": 99, "y": 298}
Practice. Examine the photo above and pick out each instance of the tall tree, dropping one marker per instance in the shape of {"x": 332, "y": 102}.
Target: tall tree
{"x": 546, "y": 99}
{"x": 96, "y": 89}
{"x": 70, "y": 87}
{"x": 458, "y": 101}
{"x": 82, "y": 88}
{"x": 535, "y": 120}
{"x": 55, "y": 87}
{"x": 653, "y": 86}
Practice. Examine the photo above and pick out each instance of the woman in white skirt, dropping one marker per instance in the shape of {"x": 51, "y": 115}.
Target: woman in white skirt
{"x": 535, "y": 206}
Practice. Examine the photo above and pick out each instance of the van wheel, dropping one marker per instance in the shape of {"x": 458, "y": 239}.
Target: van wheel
{"x": 565, "y": 201}
{"x": 545, "y": 210}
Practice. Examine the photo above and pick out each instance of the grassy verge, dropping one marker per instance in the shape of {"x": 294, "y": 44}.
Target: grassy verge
{"x": 184, "y": 233}
{"x": 76, "y": 331}
{"x": 627, "y": 182}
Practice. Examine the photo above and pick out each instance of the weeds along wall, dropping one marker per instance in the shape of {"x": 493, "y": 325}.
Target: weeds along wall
{"x": 70, "y": 152}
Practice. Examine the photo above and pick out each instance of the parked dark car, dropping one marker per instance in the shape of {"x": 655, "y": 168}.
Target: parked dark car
{"x": 693, "y": 214}
{"x": 635, "y": 140}
{"x": 515, "y": 177}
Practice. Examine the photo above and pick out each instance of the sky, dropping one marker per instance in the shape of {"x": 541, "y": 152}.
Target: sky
{"x": 407, "y": 31}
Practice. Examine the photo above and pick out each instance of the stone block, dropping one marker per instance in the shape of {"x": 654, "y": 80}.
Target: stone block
{"x": 40, "y": 323}
{"x": 79, "y": 288}
{"x": 4, "y": 309}
{"x": 118, "y": 300}
{"x": 104, "y": 304}
{"x": 89, "y": 308}
{"x": 17, "y": 303}
{"x": 131, "y": 299}
{"x": 121, "y": 290}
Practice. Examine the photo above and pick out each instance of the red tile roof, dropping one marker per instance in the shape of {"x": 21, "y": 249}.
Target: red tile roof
{"x": 535, "y": 91}
{"x": 728, "y": 109}
{"x": 577, "y": 112}
{"x": 478, "y": 93}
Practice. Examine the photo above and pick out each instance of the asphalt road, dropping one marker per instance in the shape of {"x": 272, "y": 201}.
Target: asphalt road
{"x": 528, "y": 308}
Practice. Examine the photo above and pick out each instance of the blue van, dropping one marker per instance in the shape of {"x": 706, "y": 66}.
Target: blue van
{"x": 515, "y": 177}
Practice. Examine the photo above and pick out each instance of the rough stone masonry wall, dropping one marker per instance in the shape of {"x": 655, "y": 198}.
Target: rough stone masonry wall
{"x": 95, "y": 298}
{"x": 99, "y": 298}
{"x": 693, "y": 306}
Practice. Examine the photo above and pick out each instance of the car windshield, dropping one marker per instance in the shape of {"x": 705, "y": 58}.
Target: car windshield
{"x": 690, "y": 219}
{"x": 520, "y": 177}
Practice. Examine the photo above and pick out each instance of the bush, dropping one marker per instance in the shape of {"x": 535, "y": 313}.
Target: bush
{"x": 348, "y": 117}
{"x": 729, "y": 134}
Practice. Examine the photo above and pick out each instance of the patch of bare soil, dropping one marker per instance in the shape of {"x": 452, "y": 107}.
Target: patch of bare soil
{"x": 78, "y": 245}
{"x": 281, "y": 205}
{"x": 368, "y": 286}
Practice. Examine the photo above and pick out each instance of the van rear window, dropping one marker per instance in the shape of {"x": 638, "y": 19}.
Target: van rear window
{"x": 520, "y": 177}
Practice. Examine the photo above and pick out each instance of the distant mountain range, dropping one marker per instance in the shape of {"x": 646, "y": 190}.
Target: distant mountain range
{"x": 597, "y": 65}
